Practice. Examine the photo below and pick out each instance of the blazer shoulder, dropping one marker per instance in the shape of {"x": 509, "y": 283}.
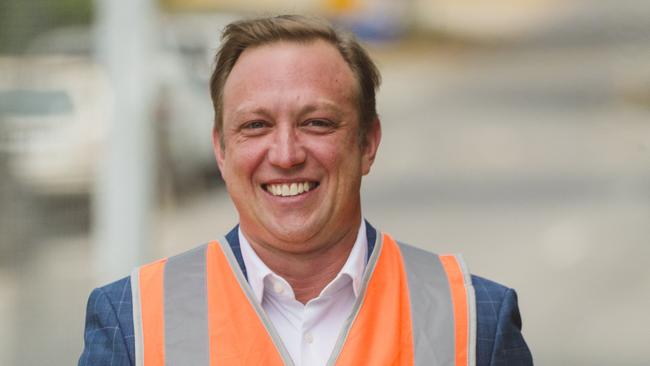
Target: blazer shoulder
{"x": 499, "y": 338}
{"x": 108, "y": 335}
{"x": 118, "y": 294}
{"x": 488, "y": 291}
{"x": 119, "y": 290}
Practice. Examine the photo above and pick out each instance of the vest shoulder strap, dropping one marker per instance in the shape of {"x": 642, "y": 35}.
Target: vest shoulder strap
{"x": 443, "y": 307}
{"x": 188, "y": 305}
{"x": 168, "y": 329}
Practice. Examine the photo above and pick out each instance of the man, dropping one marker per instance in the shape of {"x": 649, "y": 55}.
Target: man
{"x": 302, "y": 279}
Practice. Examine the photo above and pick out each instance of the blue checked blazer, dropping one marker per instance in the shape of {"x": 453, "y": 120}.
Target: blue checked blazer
{"x": 109, "y": 340}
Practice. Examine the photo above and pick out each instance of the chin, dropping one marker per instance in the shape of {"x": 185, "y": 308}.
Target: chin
{"x": 298, "y": 231}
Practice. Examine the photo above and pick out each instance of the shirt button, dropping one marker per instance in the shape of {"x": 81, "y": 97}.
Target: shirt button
{"x": 278, "y": 288}
{"x": 309, "y": 338}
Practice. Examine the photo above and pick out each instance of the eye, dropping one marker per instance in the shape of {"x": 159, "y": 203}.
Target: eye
{"x": 254, "y": 128}
{"x": 254, "y": 125}
{"x": 319, "y": 124}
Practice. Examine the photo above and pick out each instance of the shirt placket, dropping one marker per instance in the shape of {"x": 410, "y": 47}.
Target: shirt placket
{"x": 308, "y": 337}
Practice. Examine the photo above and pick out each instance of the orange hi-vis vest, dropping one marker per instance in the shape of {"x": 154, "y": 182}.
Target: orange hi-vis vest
{"x": 196, "y": 308}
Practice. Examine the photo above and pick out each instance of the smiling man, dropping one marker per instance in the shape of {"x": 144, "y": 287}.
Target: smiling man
{"x": 303, "y": 279}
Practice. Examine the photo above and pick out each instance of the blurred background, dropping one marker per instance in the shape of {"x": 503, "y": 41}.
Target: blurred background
{"x": 515, "y": 132}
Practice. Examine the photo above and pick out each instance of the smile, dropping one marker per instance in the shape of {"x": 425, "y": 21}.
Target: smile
{"x": 289, "y": 189}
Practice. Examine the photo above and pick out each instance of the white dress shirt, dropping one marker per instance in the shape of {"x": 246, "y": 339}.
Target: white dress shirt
{"x": 308, "y": 331}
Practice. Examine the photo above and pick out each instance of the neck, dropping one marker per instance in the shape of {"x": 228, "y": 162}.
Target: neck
{"x": 308, "y": 273}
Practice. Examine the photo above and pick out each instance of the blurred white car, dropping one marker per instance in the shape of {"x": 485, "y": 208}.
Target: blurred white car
{"x": 55, "y": 107}
{"x": 53, "y": 119}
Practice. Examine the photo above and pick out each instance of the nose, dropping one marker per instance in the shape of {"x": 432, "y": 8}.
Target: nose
{"x": 287, "y": 151}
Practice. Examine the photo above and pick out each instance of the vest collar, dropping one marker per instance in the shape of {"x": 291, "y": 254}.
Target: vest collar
{"x": 233, "y": 240}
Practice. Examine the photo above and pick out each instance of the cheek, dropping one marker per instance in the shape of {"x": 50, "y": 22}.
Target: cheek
{"x": 328, "y": 153}
{"x": 242, "y": 160}
{"x": 341, "y": 159}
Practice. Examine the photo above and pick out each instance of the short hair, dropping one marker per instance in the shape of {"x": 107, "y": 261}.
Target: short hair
{"x": 243, "y": 34}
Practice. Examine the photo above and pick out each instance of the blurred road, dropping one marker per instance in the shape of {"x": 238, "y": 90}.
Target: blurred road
{"x": 534, "y": 161}
{"x": 532, "y": 158}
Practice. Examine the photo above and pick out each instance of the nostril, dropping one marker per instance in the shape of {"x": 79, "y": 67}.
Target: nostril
{"x": 287, "y": 153}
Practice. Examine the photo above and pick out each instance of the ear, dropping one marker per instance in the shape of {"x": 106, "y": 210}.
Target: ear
{"x": 218, "y": 149}
{"x": 373, "y": 138}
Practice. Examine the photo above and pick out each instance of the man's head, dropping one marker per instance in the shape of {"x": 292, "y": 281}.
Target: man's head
{"x": 288, "y": 143}
{"x": 244, "y": 34}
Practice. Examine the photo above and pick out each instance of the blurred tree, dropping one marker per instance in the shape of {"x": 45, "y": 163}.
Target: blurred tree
{"x": 22, "y": 20}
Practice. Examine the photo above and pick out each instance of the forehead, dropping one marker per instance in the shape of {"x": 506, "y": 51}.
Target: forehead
{"x": 300, "y": 70}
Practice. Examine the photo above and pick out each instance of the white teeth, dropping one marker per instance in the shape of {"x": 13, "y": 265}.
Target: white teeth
{"x": 287, "y": 190}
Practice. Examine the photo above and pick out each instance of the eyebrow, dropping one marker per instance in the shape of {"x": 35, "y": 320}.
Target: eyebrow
{"x": 306, "y": 109}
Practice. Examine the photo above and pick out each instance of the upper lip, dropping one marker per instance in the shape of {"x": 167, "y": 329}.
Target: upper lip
{"x": 289, "y": 181}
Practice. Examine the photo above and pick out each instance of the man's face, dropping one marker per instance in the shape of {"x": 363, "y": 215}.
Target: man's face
{"x": 291, "y": 158}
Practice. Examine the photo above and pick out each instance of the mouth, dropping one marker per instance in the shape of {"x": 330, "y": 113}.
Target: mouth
{"x": 289, "y": 189}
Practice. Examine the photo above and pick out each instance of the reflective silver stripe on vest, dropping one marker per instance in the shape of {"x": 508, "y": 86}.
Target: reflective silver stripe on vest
{"x": 431, "y": 307}
{"x": 186, "y": 309}
{"x": 432, "y": 311}
{"x": 367, "y": 275}
{"x": 471, "y": 303}
{"x": 137, "y": 317}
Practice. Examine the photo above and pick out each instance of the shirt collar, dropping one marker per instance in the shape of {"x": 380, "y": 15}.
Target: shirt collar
{"x": 353, "y": 268}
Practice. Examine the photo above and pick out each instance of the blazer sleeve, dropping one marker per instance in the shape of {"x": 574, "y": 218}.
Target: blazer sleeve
{"x": 104, "y": 340}
{"x": 510, "y": 348}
